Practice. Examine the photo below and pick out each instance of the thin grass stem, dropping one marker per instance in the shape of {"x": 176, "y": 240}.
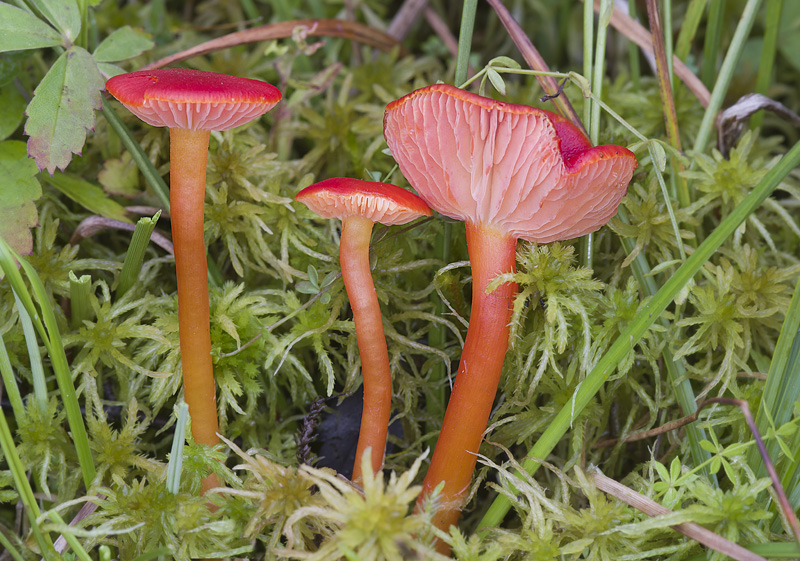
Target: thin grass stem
{"x": 37, "y": 368}
{"x": 708, "y": 68}
{"x": 10, "y": 383}
{"x": 175, "y": 465}
{"x": 633, "y": 51}
{"x": 691, "y": 21}
{"x": 651, "y": 311}
{"x": 726, "y": 72}
{"x": 772, "y": 24}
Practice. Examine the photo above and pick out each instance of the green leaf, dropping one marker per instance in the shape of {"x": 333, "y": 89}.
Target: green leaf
{"x": 12, "y": 110}
{"x": 124, "y": 43}
{"x": 120, "y": 176}
{"x": 313, "y": 277}
{"x": 496, "y": 80}
{"x": 63, "y": 14}
{"x": 19, "y": 189}
{"x": 20, "y": 30}
{"x": 109, "y": 70}
{"x": 87, "y": 195}
{"x": 63, "y": 109}
{"x": 504, "y": 61}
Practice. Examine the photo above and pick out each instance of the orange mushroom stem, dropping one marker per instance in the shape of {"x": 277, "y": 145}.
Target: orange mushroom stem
{"x": 359, "y": 204}
{"x": 509, "y": 171}
{"x": 193, "y": 103}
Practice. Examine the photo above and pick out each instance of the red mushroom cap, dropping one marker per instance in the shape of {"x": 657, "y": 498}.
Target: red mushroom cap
{"x": 341, "y": 197}
{"x": 522, "y": 170}
{"x": 192, "y": 99}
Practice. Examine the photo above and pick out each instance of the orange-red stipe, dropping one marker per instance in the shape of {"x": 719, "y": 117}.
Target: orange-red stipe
{"x": 359, "y": 204}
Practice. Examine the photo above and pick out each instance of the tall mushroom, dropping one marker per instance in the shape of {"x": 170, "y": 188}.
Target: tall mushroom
{"x": 193, "y": 103}
{"x": 509, "y": 171}
{"x": 359, "y": 204}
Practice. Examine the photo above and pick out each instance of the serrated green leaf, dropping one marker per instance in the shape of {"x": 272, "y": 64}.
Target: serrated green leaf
{"x": 12, "y": 110}
{"x": 124, "y": 43}
{"x": 88, "y": 195}
{"x": 63, "y": 14}
{"x": 496, "y": 80}
{"x": 20, "y": 30}
{"x": 18, "y": 189}
{"x": 62, "y": 109}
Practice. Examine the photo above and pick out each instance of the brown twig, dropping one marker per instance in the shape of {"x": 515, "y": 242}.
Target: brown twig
{"x": 688, "y": 529}
{"x": 315, "y": 28}
{"x": 536, "y": 62}
{"x": 634, "y": 31}
{"x": 664, "y": 83}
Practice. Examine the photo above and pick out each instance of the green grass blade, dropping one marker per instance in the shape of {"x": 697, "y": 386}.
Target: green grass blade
{"x": 465, "y": 40}
{"x": 711, "y": 46}
{"x": 691, "y": 21}
{"x": 772, "y": 24}
{"x": 73, "y": 542}
{"x": 51, "y": 338}
{"x": 639, "y": 325}
{"x": 726, "y": 72}
{"x": 782, "y": 388}
{"x": 10, "y": 383}
{"x": 37, "y": 369}
{"x": 175, "y": 464}
{"x": 135, "y": 255}
{"x": 9, "y": 548}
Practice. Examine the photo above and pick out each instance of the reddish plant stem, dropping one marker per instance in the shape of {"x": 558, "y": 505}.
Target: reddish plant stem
{"x": 188, "y": 159}
{"x": 491, "y": 253}
{"x": 354, "y": 260}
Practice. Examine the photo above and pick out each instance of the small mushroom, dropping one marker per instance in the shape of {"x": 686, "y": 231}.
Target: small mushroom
{"x": 509, "y": 171}
{"x": 359, "y": 204}
{"x": 193, "y": 103}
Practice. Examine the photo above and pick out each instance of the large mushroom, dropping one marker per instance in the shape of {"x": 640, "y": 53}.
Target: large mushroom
{"x": 509, "y": 171}
{"x": 193, "y": 103}
{"x": 359, "y": 204}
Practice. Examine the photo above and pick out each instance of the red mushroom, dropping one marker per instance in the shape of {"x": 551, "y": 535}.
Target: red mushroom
{"x": 509, "y": 171}
{"x": 193, "y": 103}
{"x": 359, "y": 204}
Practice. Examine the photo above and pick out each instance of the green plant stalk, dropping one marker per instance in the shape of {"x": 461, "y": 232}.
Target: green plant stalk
{"x": 175, "y": 465}
{"x": 642, "y": 322}
{"x": 681, "y": 385}
{"x": 23, "y": 486}
{"x": 37, "y": 369}
{"x": 80, "y": 290}
{"x": 668, "y": 47}
{"x": 598, "y": 70}
{"x": 9, "y": 548}
{"x": 73, "y": 542}
{"x": 588, "y": 45}
{"x": 249, "y": 9}
{"x": 711, "y": 45}
{"x": 135, "y": 255}
{"x": 664, "y": 74}
{"x": 633, "y": 52}
{"x": 691, "y": 21}
{"x": 771, "y": 26}
{"x": 782, "y": 388}
{"x": 726, "y": 73}
{"x": 52, "y": 340}
{"x": 465, "y": 40}
{"x": 10, "y": 384}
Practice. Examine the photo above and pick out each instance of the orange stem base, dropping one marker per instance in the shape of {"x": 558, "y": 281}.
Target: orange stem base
{"x": 491, "y": 253}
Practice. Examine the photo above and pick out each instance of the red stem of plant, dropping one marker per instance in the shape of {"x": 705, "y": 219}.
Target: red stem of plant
{"x": 354, "y": 260}
{"x": 491, "y": 253}
{"x": 188, "y": 159}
